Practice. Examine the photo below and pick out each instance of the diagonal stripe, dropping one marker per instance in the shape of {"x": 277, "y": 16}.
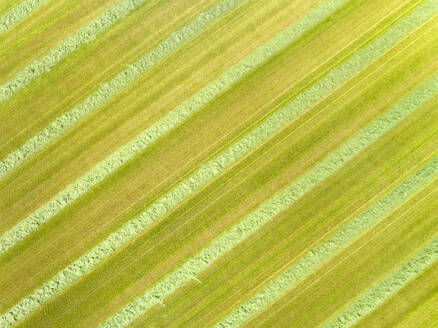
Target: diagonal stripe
{"x": 114, "y": 86}
{"x": 207, "y": 172}
{"x": 18, "y": 13}
{"x": 84, "y": 35}
{"x": 376, "y": 295}
{"x": 273, "y": 206}
{"x": 307, "y": 264}
{"x": 164, "y": 125}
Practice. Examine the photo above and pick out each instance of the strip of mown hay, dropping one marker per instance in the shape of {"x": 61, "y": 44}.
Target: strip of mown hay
{"x": 18, "y": 13}
{"x": 273, "y": 206}
{"x": 114, "y": 86}
{"x": 321, "y": 253}
{"x": 271, "y": 125}
{"x": 381, "y": 291}
{"x": 162, "y": 126}
{"x": 84, "y": 35}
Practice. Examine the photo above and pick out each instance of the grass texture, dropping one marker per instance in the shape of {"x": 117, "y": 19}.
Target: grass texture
{"x": 271, "y": 125}
{"x": 329, "y": 247}
{"x": 383, "y": 290}
{"x": 269, "y": 209}
{"x": 84, "y": 35}
{"x": 114, "y": 86}
{"x": 162, "y": 126}
{"x": 18, "y": 13}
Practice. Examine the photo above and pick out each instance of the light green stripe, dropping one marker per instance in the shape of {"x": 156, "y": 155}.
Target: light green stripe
{"x": 84, "y": 35}
{"x": 307, "y": 264}
{"x": 273, "y": 206}
{"x": 189, "y": 186}
{"x": 18, "y": 13}
{"x": 158, "y": 129}
{"x": 376, "y": 295}
{"x": 109, "y": 89}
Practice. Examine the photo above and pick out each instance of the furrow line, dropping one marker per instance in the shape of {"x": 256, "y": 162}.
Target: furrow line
{"x": 368, "y": 301}
{"x": 82, "y": 36}
{"x": 18, "y": 13}
{"x": 273, "y": 206}
{"x": 164, "y": 125}
{"x": 114, "y": 86}
{"x": 328, "y": 248}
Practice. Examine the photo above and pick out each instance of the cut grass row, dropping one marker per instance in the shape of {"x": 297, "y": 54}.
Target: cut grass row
{"x": 67, "y": 229}
{"x": 64, "y": 86}
{"x": 100, "y": 277}
{"x": 414, "y": 305}
{"x": 330, "y": 246}
{"x": 42, "y": 30}
{"x": 164, "y": 125}
{"x": 377, "y": 294}
{"x": 357, "y": 267}
{"x": 279, "y": 242}
{"x": 82, "y": 36}
{"x": 109, "y": 89}
{"x": 269, "y": 209}
{"x": 41, "y": 186}
{"x": 18, "y": 12}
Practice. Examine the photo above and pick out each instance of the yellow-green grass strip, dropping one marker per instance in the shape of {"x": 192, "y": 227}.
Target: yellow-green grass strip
{"x": 164, "y": 125}
{"x": 307, "y": 264}
{"x": 115, "y": 85}
{"x": 383, "y": 290}
{"x": 273, "y": 206}
{"x": 18, "y": 13}
{"x": 255, "y": 137}
{"x": 84, "y": 35}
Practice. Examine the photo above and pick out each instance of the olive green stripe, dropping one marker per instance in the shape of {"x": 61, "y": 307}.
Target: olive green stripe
{"x": 328, "y": 248}
{"x": 376, "y": 295}
{"x": 273, "y": 206}
{"x": 84, "y": 35}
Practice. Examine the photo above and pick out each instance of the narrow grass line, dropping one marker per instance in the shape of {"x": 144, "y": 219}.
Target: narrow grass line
{"x": 18, "y": 13}
{"x": 307, "y": 264}
{"x": 189, "y": 186}
{"x": 273, "y": 206}
{"x": 381, "y": 291}
{"x": 84, "y": 35}
{"x": 114, "y": 86}
{"x": 162, "y": 126}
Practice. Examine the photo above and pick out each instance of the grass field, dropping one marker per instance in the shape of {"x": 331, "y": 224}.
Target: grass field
{"x": 219, "y": 163}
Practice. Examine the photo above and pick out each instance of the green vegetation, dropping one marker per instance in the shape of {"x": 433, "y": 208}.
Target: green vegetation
{"x": 218, "y": 163}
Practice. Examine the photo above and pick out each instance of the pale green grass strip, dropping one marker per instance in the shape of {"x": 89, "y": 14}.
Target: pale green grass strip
{"x": 189, "y": 186}
{"x": 18, "y": 13}
{"x": 114, "y": 86}
{"x": 84, "y": 35}
{"x": 164, "y": 125}
{"x": 381, "y": 291}
{"x": 273, "y": 206}
{"x": 307, "y": 264}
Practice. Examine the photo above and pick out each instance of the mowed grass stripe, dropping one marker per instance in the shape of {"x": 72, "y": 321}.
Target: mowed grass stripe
{"x": 18, "y": 13}
{"x": 40, "y": 282}
{"x": 114, "y": 86}
{"x": 196, "y": 223}
{"x": 279, "y": 202}
{"x": 165, "y": 124}
{"x": 120, "y": 121}
{"x": 189, "y": 186}
{"x": 84, "y": 35}
{"x": 307, "y": 264}
{"x": 412, "y": 306}
{"x": 377, "y": 294}
{"x": 207, "y": 172}
{"x": 192, "y": 292}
